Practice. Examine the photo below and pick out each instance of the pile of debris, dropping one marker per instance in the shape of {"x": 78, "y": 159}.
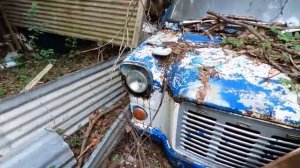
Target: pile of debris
{"x": 272, "y": 43}
{"x": 85, "y": 140}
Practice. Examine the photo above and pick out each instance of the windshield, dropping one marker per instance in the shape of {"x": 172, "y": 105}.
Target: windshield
{"x": 265, "y": 10}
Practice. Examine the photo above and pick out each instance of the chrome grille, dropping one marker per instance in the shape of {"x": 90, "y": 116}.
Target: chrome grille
{"x": 231, "y": 140}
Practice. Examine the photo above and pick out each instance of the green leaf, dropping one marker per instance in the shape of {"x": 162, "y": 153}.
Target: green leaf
{"x": 297, "y": 47}
{"x": 274, "y": 29}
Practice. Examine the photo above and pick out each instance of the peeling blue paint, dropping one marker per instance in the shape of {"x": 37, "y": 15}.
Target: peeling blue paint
{"x": 234, "y": 92}
{"x": 198, "y": 38}
{"x": 179, "y": 78}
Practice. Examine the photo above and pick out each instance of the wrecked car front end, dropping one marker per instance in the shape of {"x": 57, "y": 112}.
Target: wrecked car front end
{"x": 209, "y": 106}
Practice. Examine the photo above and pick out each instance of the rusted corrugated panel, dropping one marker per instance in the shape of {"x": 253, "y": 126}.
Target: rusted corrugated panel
{"x": 64, "y": 104}
{"x": 97, "y": 20}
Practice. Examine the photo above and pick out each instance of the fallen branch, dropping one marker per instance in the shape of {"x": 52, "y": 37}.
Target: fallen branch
{"x": 90, "y": 128}
{"x": 291, "y": 51}
{"x": 88, "y": 147}
{"x": 250, "y": 28}
{"x": 38, "y": 78}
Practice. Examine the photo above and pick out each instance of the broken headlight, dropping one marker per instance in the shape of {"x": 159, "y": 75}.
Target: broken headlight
{"x": 136, "y": 78}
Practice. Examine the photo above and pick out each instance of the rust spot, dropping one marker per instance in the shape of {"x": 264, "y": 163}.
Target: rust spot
{"x": 249, "y": 113}
{"x": 205, "y": 74}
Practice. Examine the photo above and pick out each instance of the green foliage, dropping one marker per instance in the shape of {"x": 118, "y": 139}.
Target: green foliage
{"x": 36, "y": 31}
{"x": 297, "y": 47}
{"x": 71, "y": 42}
{"x": 265, "y": 45}
{"x": 286, "y": 37}
{"x": 234, "y": 42}
{"x": 59, "y": 131}
{"x": 52, "y": 166}
{"x": 2, "y": 92}
{"x": 293, "y": 86}
{"x": 74, "y": 141}
{"x": 43, "y": 54}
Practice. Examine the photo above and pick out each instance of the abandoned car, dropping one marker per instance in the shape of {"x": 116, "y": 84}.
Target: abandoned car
{"x": 209, "y": 106}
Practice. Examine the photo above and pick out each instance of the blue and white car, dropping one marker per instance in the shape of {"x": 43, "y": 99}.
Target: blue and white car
{"x": 236, "y": 118}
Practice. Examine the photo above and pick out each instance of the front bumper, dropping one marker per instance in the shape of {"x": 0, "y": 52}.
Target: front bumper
{"x": 176, "y": 159}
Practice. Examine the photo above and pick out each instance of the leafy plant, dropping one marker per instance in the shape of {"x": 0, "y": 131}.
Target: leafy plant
{"x": 234, "y": 42}
{"x": 285, "y": 37}
{"x": 42, "y": 54}
{"x": 36, "y": 31}
{"x": 2, "y": 92}
{"x": 59, "y": 131}
{"x": 265, "y": 45}
{"x": 71, "y": 43}
{"x": 74, "y": 141}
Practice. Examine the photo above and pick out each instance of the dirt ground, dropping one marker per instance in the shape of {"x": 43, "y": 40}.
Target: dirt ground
{"x": 13, "y": 81}
{"x": 150, "y": 155}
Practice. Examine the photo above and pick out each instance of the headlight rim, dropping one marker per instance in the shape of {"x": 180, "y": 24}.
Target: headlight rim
{"x": 126, "y": 67}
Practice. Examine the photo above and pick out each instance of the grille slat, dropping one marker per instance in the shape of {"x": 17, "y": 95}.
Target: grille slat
{"x": 241, "y": 152}
{"x": 224, "y": 155}
{"x": 249, "y": 133}
{"x": 220, "y": 139}
{"x": 259, "y": 141}
{"x": 192, "y": 150}
{"x": 255, "y": 149}
{"x": 224, "y": 151}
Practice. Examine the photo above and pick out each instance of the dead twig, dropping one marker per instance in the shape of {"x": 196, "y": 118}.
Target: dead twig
{"x": 90, "y": 127}
{"x": 88, "y": 147}
{"x": 250, "y": 28}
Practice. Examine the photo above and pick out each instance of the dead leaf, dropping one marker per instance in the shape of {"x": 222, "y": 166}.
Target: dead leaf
{"x": 131, "y": 159}
{"x": 177, "y": 51}
{"x": 128, "y": 128}
{"x": 249, "y": 113}
{"x": 273, "y": 72}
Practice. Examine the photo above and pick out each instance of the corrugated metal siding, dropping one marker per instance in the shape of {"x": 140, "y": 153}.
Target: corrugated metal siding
{"x": 64, "y": 104}
{"x": 110, "y": 140}
{"x": 98, "y": 20}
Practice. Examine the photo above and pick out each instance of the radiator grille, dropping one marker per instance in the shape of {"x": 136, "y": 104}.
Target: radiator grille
{"x": 224, "y": 142}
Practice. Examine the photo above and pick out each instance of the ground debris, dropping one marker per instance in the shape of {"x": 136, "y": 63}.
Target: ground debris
{"x": 268, "y": 42}
{"x": 124, "y": 156}
{"x": 91, "y": 134}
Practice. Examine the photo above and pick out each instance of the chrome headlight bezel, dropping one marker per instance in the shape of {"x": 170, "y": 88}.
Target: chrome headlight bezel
{"x": 131, "y": 69}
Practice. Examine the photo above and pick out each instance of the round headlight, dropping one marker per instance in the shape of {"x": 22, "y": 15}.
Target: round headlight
{"x": 137, "y": 81}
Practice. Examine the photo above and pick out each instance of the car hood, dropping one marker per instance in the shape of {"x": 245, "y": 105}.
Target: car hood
{"x": 219, "y": 78}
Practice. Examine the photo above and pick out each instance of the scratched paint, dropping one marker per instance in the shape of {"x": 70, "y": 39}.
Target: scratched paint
{"x": 240, "y": 86}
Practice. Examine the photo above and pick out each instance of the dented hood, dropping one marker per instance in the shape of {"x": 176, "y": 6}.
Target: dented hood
{"x": 221, "y": 79}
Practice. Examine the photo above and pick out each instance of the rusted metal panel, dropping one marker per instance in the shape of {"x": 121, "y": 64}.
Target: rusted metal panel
{"x": 97, "y": 20}
{"x": 64, "y": 104}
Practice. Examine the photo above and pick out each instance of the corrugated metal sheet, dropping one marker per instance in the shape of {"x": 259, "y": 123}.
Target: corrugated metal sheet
{"x": 98, "y": 20}
{"x": 108, "y": 142}
{"x": 64, "y": 104}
